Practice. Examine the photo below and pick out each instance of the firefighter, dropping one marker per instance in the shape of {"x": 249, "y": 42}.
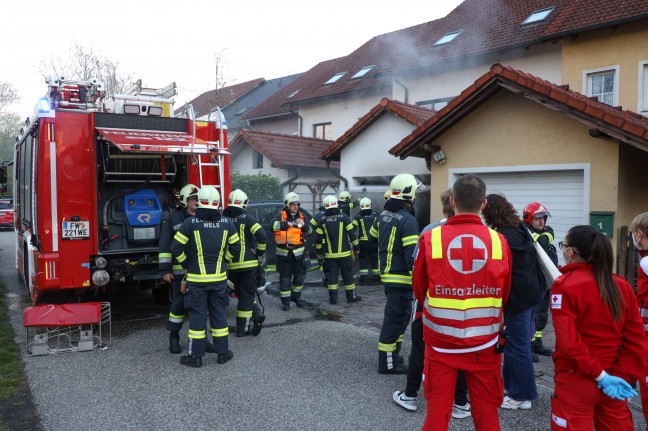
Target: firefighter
{"x": 397, "y": 232}
{"x": 289, "y": 229}
{"x": 600, "y": 340}
{"x": 172, "y": 272}
{"x": 336, "y": 236}
{"x": 345, "y": 204}
{"x": 535, "y": 217}
{"x": 203, "y": 245}
{"x": 314, "y": 222}
{"x": 462, "y": 277}
{"x": 244, "y": 266}
{"x": 368, "y": 256}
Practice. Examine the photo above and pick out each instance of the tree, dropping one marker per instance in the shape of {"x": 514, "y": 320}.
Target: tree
{"x": 8, "y": 94}
{"x": 83, "y": 63}
{"x": 260, "y": 187}
{"x": 9, "y": 127}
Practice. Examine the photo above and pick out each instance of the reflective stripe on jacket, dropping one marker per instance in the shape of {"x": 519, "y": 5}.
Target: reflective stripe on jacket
{"x": 253, "y": 242}
{"x": 336, "y": 235}
{"x": 166, "y": 262}
{"x": 290, "y": 238}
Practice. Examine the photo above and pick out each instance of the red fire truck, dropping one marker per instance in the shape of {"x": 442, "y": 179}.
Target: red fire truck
{"x": 93, "y": 179}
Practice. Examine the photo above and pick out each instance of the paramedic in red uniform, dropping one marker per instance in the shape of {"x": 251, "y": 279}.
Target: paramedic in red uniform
{"x": 639, "y": 230}
{"x": 462, "y": 276}
{"x": 600, "y": 341}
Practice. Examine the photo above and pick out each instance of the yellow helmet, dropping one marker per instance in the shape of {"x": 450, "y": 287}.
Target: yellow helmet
{"x": 404, "y": 187}
{"x": 345, "y": 196}
{"x": 238, "y": 199}
{"x": 208, "y": 197}
{"x": 365, "y": 204}
{"x": 186, "y": 192}
{"x": 291, "y": 198}
{"x": 330, "y": 201}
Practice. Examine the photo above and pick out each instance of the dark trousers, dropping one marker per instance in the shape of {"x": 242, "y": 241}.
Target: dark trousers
{"x": 368, "y": 258}
{"x": 415, "y": 370}
{"x": 542, "y": 314}
{"x": 291, "y": 268}
{"x": 201, "y": 300}
{"x": 177, "y": 310}
{"x": 333, "y": 267}
{"x": 397, "y": 316}
{"x": 245, "y": 285}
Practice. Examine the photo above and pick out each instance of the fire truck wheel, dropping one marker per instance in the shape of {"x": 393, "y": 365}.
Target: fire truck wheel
{"x": 161, "y": 293}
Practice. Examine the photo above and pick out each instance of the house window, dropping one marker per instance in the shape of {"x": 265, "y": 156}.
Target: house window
{"x": 362, "y": 72}
{"x": 322, "y": 131}
{"x": 335, "y": 78}
{"x": 257, "y": 160}
{"x": 602, "y": 83}
{"x": 539, "y": 15}
{"x": 643, "y": 87}
{"x": 435, "y": 104}
{"x": 447, "y": 38}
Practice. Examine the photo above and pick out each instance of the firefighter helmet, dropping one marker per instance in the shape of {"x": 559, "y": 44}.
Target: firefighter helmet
{"x": 345, "y": 196}
{"x": 403, "y": 186}
{"x": 291, "y": 198}
{"x": 330, "y": 202}
{"x": 534, "y": 209}
{"x": 387, "y": 194}
{"x": 186, "y": 192}
{"x": 365, "y": 204}
{"x": 238, "y": 199}
{"x": 209, "y": 198}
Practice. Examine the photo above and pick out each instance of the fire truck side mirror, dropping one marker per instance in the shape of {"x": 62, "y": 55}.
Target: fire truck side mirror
{"x": 3, "y": 176}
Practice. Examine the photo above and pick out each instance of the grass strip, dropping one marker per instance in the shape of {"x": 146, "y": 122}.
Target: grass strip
{"x": 11, "y": 365}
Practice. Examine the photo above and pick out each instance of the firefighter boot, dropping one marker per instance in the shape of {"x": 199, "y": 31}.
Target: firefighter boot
{"x": 352, "y": 297}
{"x": 224, "y": 357}
{"x": 285, "y": 304}
{"x": 387, "y": 364}
{"x": 191, "y": 361}
{"x": 333, "y": 296}
{"x": 174, "y": 342}
{"x": 241, "y": 323}
{"x": 539, "y": 349}
{"x": 296, "y": 298}
{"x": 257, "y": 323}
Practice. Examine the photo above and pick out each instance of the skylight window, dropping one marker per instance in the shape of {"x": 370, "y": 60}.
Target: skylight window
{"x": 294, "y": 93}
{"x": 448, "y": 37}
{"x": 362, "y": 72}
{"x": 539, "y": 15}
{"x": 335, "y": 78}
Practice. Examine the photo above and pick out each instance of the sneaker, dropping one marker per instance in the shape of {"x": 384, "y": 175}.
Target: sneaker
{"x": 408, "y": 403}
{"x": 460, "y": 412}
{"x": 510, "y": 404}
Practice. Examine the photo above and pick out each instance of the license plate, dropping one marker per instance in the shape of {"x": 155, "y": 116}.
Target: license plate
{"x": 76, "y": 229}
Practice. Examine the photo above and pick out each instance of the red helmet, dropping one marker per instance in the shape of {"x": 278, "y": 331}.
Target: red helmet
{"x": 534, "y": 209}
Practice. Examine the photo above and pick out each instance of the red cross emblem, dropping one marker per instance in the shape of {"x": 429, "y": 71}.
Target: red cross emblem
{"x": 467, "y": 254}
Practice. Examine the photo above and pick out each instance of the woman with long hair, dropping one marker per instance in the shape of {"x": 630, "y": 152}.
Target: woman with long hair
{"x": 600, "y": 341}
{"x": 527, "y": 288}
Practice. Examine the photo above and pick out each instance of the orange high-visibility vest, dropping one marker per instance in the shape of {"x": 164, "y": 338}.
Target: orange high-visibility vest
{"x": 290, "y": 236}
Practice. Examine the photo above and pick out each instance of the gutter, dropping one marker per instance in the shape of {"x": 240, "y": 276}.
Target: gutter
{"x": 335, "y": 174}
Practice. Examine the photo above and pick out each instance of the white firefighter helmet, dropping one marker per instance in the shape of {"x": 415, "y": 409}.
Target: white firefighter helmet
{"x": 387, "y": 194}
{"x": 186, "y": 192}
{"x": 330, "y": 201}
{"x": 209, "y": 198}
{"x": 403, "y": 186}
{"x": 291, "y": 198}
{"x": 365, "y": 204}
{"x": 345, "y": 196}
{"x": 238, "y": 199}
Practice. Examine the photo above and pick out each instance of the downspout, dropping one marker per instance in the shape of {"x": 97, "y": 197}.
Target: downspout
{"x": 346, "y": 182}
{"x": 300, "y": 120}
{"x": 289, "y": 180}
{"x": 397, "y": 82}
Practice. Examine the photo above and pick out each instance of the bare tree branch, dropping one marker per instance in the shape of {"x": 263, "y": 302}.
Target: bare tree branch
{"x": 8, "y": 94}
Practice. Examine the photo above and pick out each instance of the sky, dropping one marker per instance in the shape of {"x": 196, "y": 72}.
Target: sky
{"x": 162, "y": 41}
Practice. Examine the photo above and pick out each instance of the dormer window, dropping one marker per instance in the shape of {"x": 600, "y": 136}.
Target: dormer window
{"x": 539, "y": 15}
{"x": 362, "y": 72}
{"x": 335, "y": 78}
{"x": 447, "y": 38}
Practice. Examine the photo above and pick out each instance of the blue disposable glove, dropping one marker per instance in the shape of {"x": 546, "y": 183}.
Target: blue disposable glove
{"x": 615, "y": 387}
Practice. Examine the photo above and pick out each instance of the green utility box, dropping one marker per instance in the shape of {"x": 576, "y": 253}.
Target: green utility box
{"x": 603, "y": 221}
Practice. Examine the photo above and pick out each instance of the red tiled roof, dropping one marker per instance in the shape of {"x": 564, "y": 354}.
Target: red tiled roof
{"x": 412, "y": 113}
{"x": 286, "y": 151}
{"x": 487, "y": 26}
{"x": 626, "y": 126}
{"x": 221, "y": 97}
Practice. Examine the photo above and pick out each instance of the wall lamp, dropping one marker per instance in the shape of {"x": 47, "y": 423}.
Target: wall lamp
{"x": 439, "y": 157}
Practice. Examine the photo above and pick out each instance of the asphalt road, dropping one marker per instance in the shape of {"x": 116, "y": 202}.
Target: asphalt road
{"x": 312, "y": 369}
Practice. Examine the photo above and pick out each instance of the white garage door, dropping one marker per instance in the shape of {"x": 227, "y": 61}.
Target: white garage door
{"x": 562, "y": 192}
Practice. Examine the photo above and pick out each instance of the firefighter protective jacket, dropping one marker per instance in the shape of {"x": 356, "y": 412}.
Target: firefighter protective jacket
{"x": 462, "y": 277}
{"x": 588, "y": 340}
{"x": 336, "y": 235}
{"x": 252, "y": 236}
{"x": 397, "y": 232}
{"x": 290, "y": 238}
{"x": 642, "y": 287}
{"x": 317, "y": 217}
{"x": 203, "y": 247}
{"x": 364, "y": 221}
{"x": 346, "y": 207}
{"x": 167, "y": 263}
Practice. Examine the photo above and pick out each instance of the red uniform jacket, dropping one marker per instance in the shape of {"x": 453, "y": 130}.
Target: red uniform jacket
{"x": 588, "y": 340}
{"x": 462, "y": 278}
{"x": 642, "y": 287}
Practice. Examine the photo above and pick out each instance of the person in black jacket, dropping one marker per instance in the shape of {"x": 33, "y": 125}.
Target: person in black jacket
{"x": 397, "y": 232}
{"x": 535, "y": 217}
{"x": 203, "y": 245}
{"x": 345, "y": 204}
{"x": 368, "y": 256}
{"x": 527, "y": 289}
{"x": 244, "y": 266}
